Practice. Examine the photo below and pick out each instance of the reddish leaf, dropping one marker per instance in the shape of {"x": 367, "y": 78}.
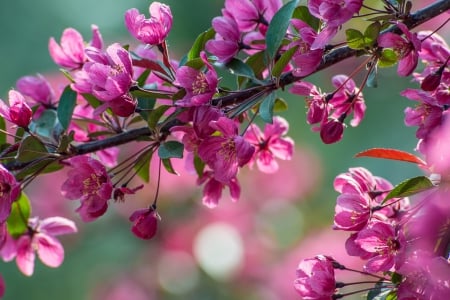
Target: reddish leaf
{"x": 393, "y": 154}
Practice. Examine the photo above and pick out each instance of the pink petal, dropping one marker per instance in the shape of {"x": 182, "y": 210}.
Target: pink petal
{"x": 25, "y": 255}
{"x": 49, "y": 249}
{"x": 56, "y": 226}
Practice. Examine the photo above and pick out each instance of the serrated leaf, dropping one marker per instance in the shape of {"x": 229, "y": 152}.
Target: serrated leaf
{"x": 355, "y": 39}
{"x": 31, "y": 148}
{"x": 168, "y": 166}
{"x": 66, "y": 105}
{"x": 278, "y": 27}
{"x": 387, "y": 58}
{"x": 142, "y": 166}
{"x": 170, "y": 149}
{"x": 409, "y": 187}
{"x": 283, "y": 61}
{"x": 266, "y": 108}
{"x": 239, "y": 68}
{"x": 302, "y": 13}
{"x": 17, "y": 222}
{"x": 393, "y": 154}
{"x": 199, "y": 43}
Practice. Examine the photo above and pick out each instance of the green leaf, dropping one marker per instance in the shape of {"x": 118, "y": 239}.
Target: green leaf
{"x": 372, "y": 80}
{"x": 30, "y": 149}
{"x": 146, "y": 104}
{"x": 409, "y": 187}
{"x": 266, "y": 108}
{"x": 239, "y": 68}
{"x": 143, "y": 77}
{"x": 66, "y": 105}
{"x": 379, "y": 292}
{"x": 388, "y": 58}
{"x": 17, "y": 222}
{"x": 150, "y": 93}
{"x": 258, "y": 63}
{"x": 278, "y": 27}
{"x": 142, "y": 166}
{"x": 65, "y": 141}
{"x": 280, "y": 105}
{"x": 302, "y": 13}
{"x": 199, "y": 165}
{"x": 39, "y": 166}
{"x": 2, "y": 131}
{"x": 170, "y": 149}
{"x": 355, "y": 39}
{"x": 92, "y": 100}
{"x": 283, "y": 61}
{"x": 199, "y": 43}
{"x": 371, "y": 33}
{"x": 46, "y": 125}
{"x": 168, "y": 166}
{"x": 156, "y": 115}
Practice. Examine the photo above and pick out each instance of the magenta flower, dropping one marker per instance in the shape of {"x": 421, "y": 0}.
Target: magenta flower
{"x": 406, "y": 48}
{"x": 18, "y": 111}
{"x": 331, "y": 131}
{"x": 384, "y": 242}
{"x": 145, "y": 223}
{"x": 151, "y": 31}
{"x": 70, "y": 54}
{"x": 212, "y": 192}
{"x": 38, "y": 89}
{"x": 107, "y": 75}
{"x": 41, "y": 239}
{"x": 270, "y": 144}
{"x": 352, "y": 211}
{"x": 89, "y": 182}
{"x": 318, "y": 108}
{"x": 315, "y": 278}
{"x": 226, "y": 152}
{"x": 227, "y": 41}
{"x": 9, "y": 192}
{"x": 200, "y": 87}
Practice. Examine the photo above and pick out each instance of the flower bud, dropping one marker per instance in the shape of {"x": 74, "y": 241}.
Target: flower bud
{"x": 145, "y": 223}
{"x": 18, "y": 112}
{"x": 331, "y": 131}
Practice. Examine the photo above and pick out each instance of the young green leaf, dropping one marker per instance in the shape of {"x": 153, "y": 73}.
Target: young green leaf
{"x": 355, "y": 39}
{"x": 302, "y": 13}
{"x": 168, "y": 166}
{"x": 371, "y": 33}
{"x": 142, "y": 165}
{"x": 156, "y": 115}
{"x": 388, "y": 58}
{"x": 17, "y": 222}
{"x": 199, "y": 43}
{"x": 66, "y": 105}
{"x": 266, "y": 108}
{"x": 278, "y": 27}
{"x": 283, "y": 61}
{"x": 170, "y": 149}
{"x": 409, "y": 187}
{"x": 199, "y": 165}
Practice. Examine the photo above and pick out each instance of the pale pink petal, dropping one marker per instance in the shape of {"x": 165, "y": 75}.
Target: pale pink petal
{"x": 49, "y": 249}
{"x": 56, "y": 226}
{"x": 25, "y": 255}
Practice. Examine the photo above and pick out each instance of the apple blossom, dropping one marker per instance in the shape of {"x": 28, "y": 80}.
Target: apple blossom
{"x": 145, "y": 223}
{"x": 315, "y": 278}
{"x": 18, "y": 111}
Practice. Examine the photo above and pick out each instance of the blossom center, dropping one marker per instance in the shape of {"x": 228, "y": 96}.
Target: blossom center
{"x": 4, "y": 188}
{"x": 200, "y": 85}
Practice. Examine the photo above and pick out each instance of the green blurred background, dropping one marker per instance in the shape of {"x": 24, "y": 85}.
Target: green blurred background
{"x": 106, "y": 248}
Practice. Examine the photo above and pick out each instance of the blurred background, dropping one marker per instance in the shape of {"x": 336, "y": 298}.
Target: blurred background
{"x": 245, "y": 250}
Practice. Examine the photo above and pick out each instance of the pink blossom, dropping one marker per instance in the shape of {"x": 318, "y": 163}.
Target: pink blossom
{"x": 270, "y": 144}
{"x": 200, "y": 87}
{"x": 70, "y": 54}
{"x": 352, "y": 211}
{"x": 9, "y": 192}
{"x": 318, "y": 108}
{"x": 38, "y": 89}
{"x": 89, "y": 182}
{"x": 406, "y": 48}
{"x": 384, "y": 242}
{"x": 227, "y": 41}
{"x": 18, "y": 111}
{"x": 226, "y": 152}
{"x": 107, "y": 75}
{"x": 331, "y": 131}
{"x": 41, "y": 238}
{"x": 315, "y": 278}
{"x": 438, "y": 149}
{"x": 212, "y": 192}
{"x": 151, "y": 31}
{"x": 145, "y": 223}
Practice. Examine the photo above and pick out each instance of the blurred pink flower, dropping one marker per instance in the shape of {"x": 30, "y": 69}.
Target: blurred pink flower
{"x": 38, "y": 89}
{"x": 151, "y": 31}
{"x": 270, "y": 144}
{"x": 89, "y": 182}
{"x": 18, "y": 111}
{"x": 9, "y": 191}
{"x": 41, "y": 239}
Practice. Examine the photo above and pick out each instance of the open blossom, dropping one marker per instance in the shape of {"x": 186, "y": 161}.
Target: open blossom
{"x": 200, "y": 87}
{"x": 70, "y": 53}
{"x": 89, "y": 182}
{"x": 107, "y": 75}
{"x": 145, "y": 223}
{"x": 315, "y": 278}
{"x": 18, "y": 111}
{"x": 151, "y": 31}
{"x": 226, "y": 44}
{"x": 41, "y": 239}
{"x": 38, "y": 89}
{"x": 9, "y": 191}
{"x": 212, "y": 191}
{"x": 270, "y": 144}
{"x": 226, "y": 152}
{"x": 406, "y": 48}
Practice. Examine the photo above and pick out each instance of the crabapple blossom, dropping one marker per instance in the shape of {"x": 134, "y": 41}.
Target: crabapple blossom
{"x": 41, "y": 239}
{"x": 151, "y": 31}
{"x": 38, "y": 89}
{"x": 89, "y": 182}
{"x": 18, "y": 111}
{"x": 9, "y": 192}
{"x": 316, "y": 101}
{"x": 315, "y": 278}
{"x": 270, "y": 144}
{"x": 331, "y": 131}
{"x": 70, "y": 53}
{"x": 227, "y": 41}
{"x": 145, "y": 223}
{"x": 212, "y": 191}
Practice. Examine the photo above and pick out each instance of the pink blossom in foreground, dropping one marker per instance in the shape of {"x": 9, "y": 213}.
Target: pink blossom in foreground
{"x": 9, "y": 192}
{"x": 212, "y": 191}
{"x": 226, "y": 44}
{"x": 226, "y": 152}
{"x": 270, "y": 144}
{"x": 315, "y": 278}
{"x": 151, "y": 31}
{"x": 89, "y": 182}
{"x": 38, "y": 89}
{"x": 145, "y": 223}
{"x": 41, "y": 239}
{"x": 18, "y": 111}
{"x": 406, "y": 48}
{"x": 70, "y": 53}
{"x": 200, "y": 87}
{"x": 107, "y": 75}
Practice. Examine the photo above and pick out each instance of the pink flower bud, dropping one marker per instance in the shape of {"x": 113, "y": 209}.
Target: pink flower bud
{"x": 331, "y": 131}
{"x": 431, "y": 81}
{"x": 145, "y": 223}
{"x": 18, "y": 112}
{"x": 123, "y": 106}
